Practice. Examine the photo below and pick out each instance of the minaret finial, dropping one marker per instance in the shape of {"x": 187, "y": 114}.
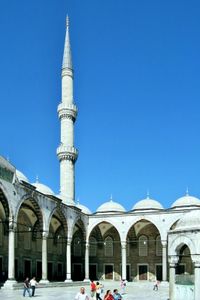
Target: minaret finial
{"x": 67, "y": 21}
{"x": 148, "y": 194}
{"x": 67, "y": 56}
{"x": 37, "y": 179}
{"x": 111, "y": 197}
{"x": 187, "y": 191}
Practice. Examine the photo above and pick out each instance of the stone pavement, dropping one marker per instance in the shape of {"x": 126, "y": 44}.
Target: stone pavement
{"x": 134, "y": 291}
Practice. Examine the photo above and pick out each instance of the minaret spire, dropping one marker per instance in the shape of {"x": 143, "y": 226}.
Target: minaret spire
{"x": 67, "y": 111}
{"x": 67, "y": 56}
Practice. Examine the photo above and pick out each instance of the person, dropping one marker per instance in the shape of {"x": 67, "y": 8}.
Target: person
{"x": 123, "y": 286}
{"x": 33, "y": 284}
{"x": 92, "y": 288}
{"x": 108, "y": 295}
{"x": 156, "y": 284}
{"x": 98, "y": 291}
{"x": 82, "y": 295}
{"x": 116, "y": 295}
{"x": 26, "y": 287}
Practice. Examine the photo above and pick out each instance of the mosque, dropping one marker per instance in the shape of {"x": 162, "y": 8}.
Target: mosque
{"x": 53, "y": 238}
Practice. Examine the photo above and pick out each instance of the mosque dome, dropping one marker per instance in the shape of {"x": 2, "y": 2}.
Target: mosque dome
{"x": 147, "y": 204}
{"x": 190, "y": 220}
{"x": 42, "y": 188}
{"x": 84, "y": 209}
{"x": 186, "y": 202}
{"x": 110, "y": 207}
{"x": 20, "y": 176}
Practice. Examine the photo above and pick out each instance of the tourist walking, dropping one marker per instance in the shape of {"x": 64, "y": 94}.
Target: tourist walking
{"x": 156, "y": 284}
{"x": 33, "y": 284}
{"x": 98, "y": 291}
{"x": 82, "y": 295}
{"x": 108, "y": 295}
{"x": 123, "y": 286}
{"x": 116, "y": 295}
{"x": 92, "y": 288}
{"x": 26, "y": 287}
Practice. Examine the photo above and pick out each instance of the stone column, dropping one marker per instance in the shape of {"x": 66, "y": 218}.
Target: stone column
{"x": 11, "y": 258}
{"x": 172, "y": 265}
{"x": 123, "y": 247}
{"x": 68, "y": 261}
{"x": 87, "y": 263}
{"x": 164, "y": 260}
{"x": 196, "y": 280}
{"x": 44, "y": 258}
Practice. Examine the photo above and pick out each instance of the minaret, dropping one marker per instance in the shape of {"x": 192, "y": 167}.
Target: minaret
{"x": 67, "y": 112}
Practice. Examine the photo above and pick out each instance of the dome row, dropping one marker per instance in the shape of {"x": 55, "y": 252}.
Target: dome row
{"x": 111, "y": 206}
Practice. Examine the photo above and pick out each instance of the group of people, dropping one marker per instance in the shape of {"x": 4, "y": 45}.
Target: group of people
{"x": 96, "y": 291}
{"x": 29, "y": 287}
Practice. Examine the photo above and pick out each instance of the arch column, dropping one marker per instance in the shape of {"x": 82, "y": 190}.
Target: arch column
{"x": 172, "y": 268}
{"x": 68, "y": 261}
{"x": 44, "y": 258}
{"x": 164, "y": 260}
{"x": 87, "y": 263}
{"x": 196, "y": 280}
{"x": 11, "y": 257}
{"x": 123, "y": 247}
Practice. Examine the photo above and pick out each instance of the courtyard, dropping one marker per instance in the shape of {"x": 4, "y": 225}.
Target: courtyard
{"x": 134, "y": 290}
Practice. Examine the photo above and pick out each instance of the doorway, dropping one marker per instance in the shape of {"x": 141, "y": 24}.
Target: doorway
{"x": 109, "y": 272}
{"x": 39, "y": 270}
{"x": 159, "y": 272}
{"x": 50, "y": 271}
{"x": 143, "y": 269}
{"x": 77, "y": 272}
{"x": 93, "y": 272}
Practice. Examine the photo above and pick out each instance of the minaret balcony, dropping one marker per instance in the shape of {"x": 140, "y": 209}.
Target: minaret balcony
{"x": 67, "y": 111}
{"x": 67, "y": 153}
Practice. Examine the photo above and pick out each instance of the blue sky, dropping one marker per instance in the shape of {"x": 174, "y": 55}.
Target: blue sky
{"x": 136, "y": 86}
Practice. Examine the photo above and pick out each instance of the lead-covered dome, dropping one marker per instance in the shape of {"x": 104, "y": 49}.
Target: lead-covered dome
{"x": 110, "y": 207}
{"x": 189, "y": 221}
{"x": 20, "y": 176}
{"x": 186, "y": 202}
{"x": 84, "y": 209}
{"x": 44, "y": 189}
{"x": 147, "y": 204}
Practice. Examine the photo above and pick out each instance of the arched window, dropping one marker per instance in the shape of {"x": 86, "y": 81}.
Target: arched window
{"x": 143, "y": 245}
{"x": 93, "y": 246}
{"x": 158, "y": 246}
{"x": 108, "y": 246}
{"x": 77, "y": 246}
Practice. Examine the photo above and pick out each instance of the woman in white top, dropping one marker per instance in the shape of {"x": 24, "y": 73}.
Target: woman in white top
{"x": 82, "y": 295}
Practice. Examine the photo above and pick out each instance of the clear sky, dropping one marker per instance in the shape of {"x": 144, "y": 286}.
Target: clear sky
{"x": 136, "y": 85}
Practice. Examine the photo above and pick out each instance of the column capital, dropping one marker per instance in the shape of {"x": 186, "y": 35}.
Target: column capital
{"x": 123, "y": 244}
{"x": 69, "y": 241}
{"x": 45, "y": 235}
{"x": 164, "y": 243}
{"x": 173, "y": 260}
{"x": 196, "y": 260}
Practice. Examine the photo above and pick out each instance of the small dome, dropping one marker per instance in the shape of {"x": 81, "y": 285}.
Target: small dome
{"x": 147, "y": 204}
{"x": 186, "y": 202}
{"x": 190, "y": 220}
{"x": 21, "y": 176}
{"x": 110, "y": 206}
{"x": 42, "y": 188}
{"x": 84, "y": 209}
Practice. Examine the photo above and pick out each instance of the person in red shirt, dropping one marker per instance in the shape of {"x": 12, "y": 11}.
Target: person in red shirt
{"x": 108, "y": 295}
{"x": 92, "y": 288}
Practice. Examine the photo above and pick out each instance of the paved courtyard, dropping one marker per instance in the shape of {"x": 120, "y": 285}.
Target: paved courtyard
{"x": 134, "y": 291}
